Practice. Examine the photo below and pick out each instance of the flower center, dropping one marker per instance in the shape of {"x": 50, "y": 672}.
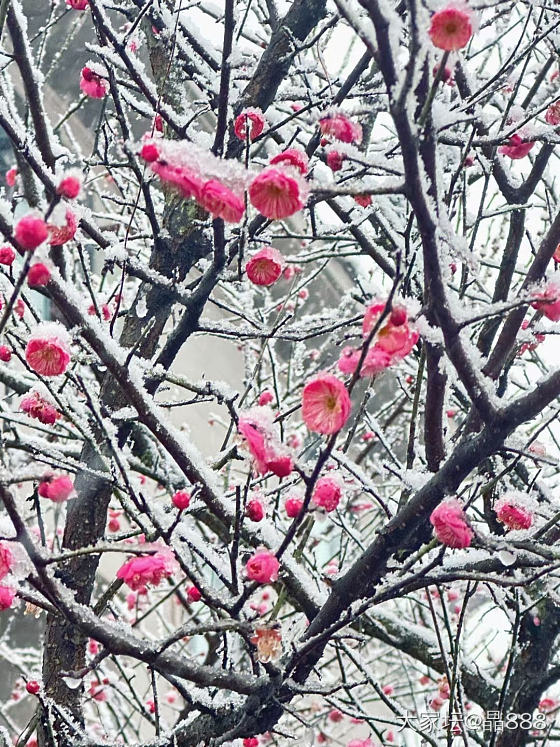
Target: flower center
{"x": 331, "y": 403}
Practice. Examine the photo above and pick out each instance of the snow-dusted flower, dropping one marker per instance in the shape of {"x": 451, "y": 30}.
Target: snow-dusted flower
{"x": 193, "y": 594}
{"x": 335, "y": 159}
{"x": 250, "y": 122}
{"x": 363, "y": 200}
{"x": 450, "y": 524}
{"x": 57, "y": 488}
{"x": 93, "y": 84}
{"x": 516, "y": 147}
{"x": 268, "y": 641}
{"x": 183, "y": 179}
{"x": 149, "y": 152}
{"x": 293, "y": 506}
{"x": 531, "y": 340}
{"x": 326, "y": 404}
{"x": 6, "y": 559}
{"x": 275, "y": 194}
{"x": 269, "y": 455}
{"x": 327, "y": 493}
{"x": 11, "y": 176}
{"x": 78, "y": 4}
{"x": 48, "y": 349}
{"x": 7, "y": 596}
{"x": 148, "y": 569}
{"x": 348, "y": 361}
{"x": 549, "y": 301}
{"x": 221, "y": 202}
{"x": 265, "y": 397}
{"x": 292, "y": 157}
{"x": 30, "y": 231}
{"x": 38, "y": 275}
{"x": 262, "y": 567}
{"x": 265, "y": 266}
{"x": 280, "y": 463}
{"x": 451, "y": 28}
{"x": 341, "y": 127}
{"x": 7, "y": 255}
{"x": 552, "y": 115}
{"x": 255, "y": 510}
{"x": 393, "y": 341}
{"x": 377, "y": 360}
{"x": 39, "y": 408}
{"x": 62, "y": 231}
{"x": 69, "y": 186}
{"x": 548, "y": 705}
{"x": 511, "y": 512}
{"x": 181, "y": 499}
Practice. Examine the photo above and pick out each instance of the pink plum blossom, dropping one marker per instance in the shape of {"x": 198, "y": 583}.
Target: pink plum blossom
{"x": 269, "y": 455}
{"x": 11, "y": 176}
{"x": 148, "y": 569}
{"x": 7, "y": 596}
{"x": 62, "y": 232}
{"x": 450, "y": 524}
{"x": 262, "y": 567}
{"x": 349, "y": 359}
{"x": 48, "y": 349}
{"x": 275, "y": 194}
{"x": 292, "y": 157}
{"x": 393, "y": 341}
{"x": 181, "y": 500}
{"x": 326, "y": 404}
{"x": 187, "y": 183}
{"x": 7, "y": 255}
{"x": 552, "y": 115}
{"x": 512, "y": 513}
{"x": 255, "y": 510}
{"x": 549, "y": 302}
{"x": 93, "y": 84}
{"x": 335, "y": 160}
{"x": 38, "y": 275}
{"x": 265, "y": 398}
{"x": 516, "y": 147}
{"x": 451, "y": 28}
{"x": 293, "y": 506}
{"x": 30, "y": 231}
{"x": 6, "y": 559}
{"x": 193, "y": 593}
{"x": 69, "y": 186}
{"x": 57, "y": 489}
{"x": 327, "y": 493}
{"x": 250, "y": 122}
{"x": 342, "y": 128}
{"x": 265, "y": 266}
{"x": 221, "y": 202}
{"x": 37, "y": 407}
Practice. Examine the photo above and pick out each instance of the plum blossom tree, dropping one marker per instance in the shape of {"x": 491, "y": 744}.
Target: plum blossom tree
{"x": 355, "y": 199}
